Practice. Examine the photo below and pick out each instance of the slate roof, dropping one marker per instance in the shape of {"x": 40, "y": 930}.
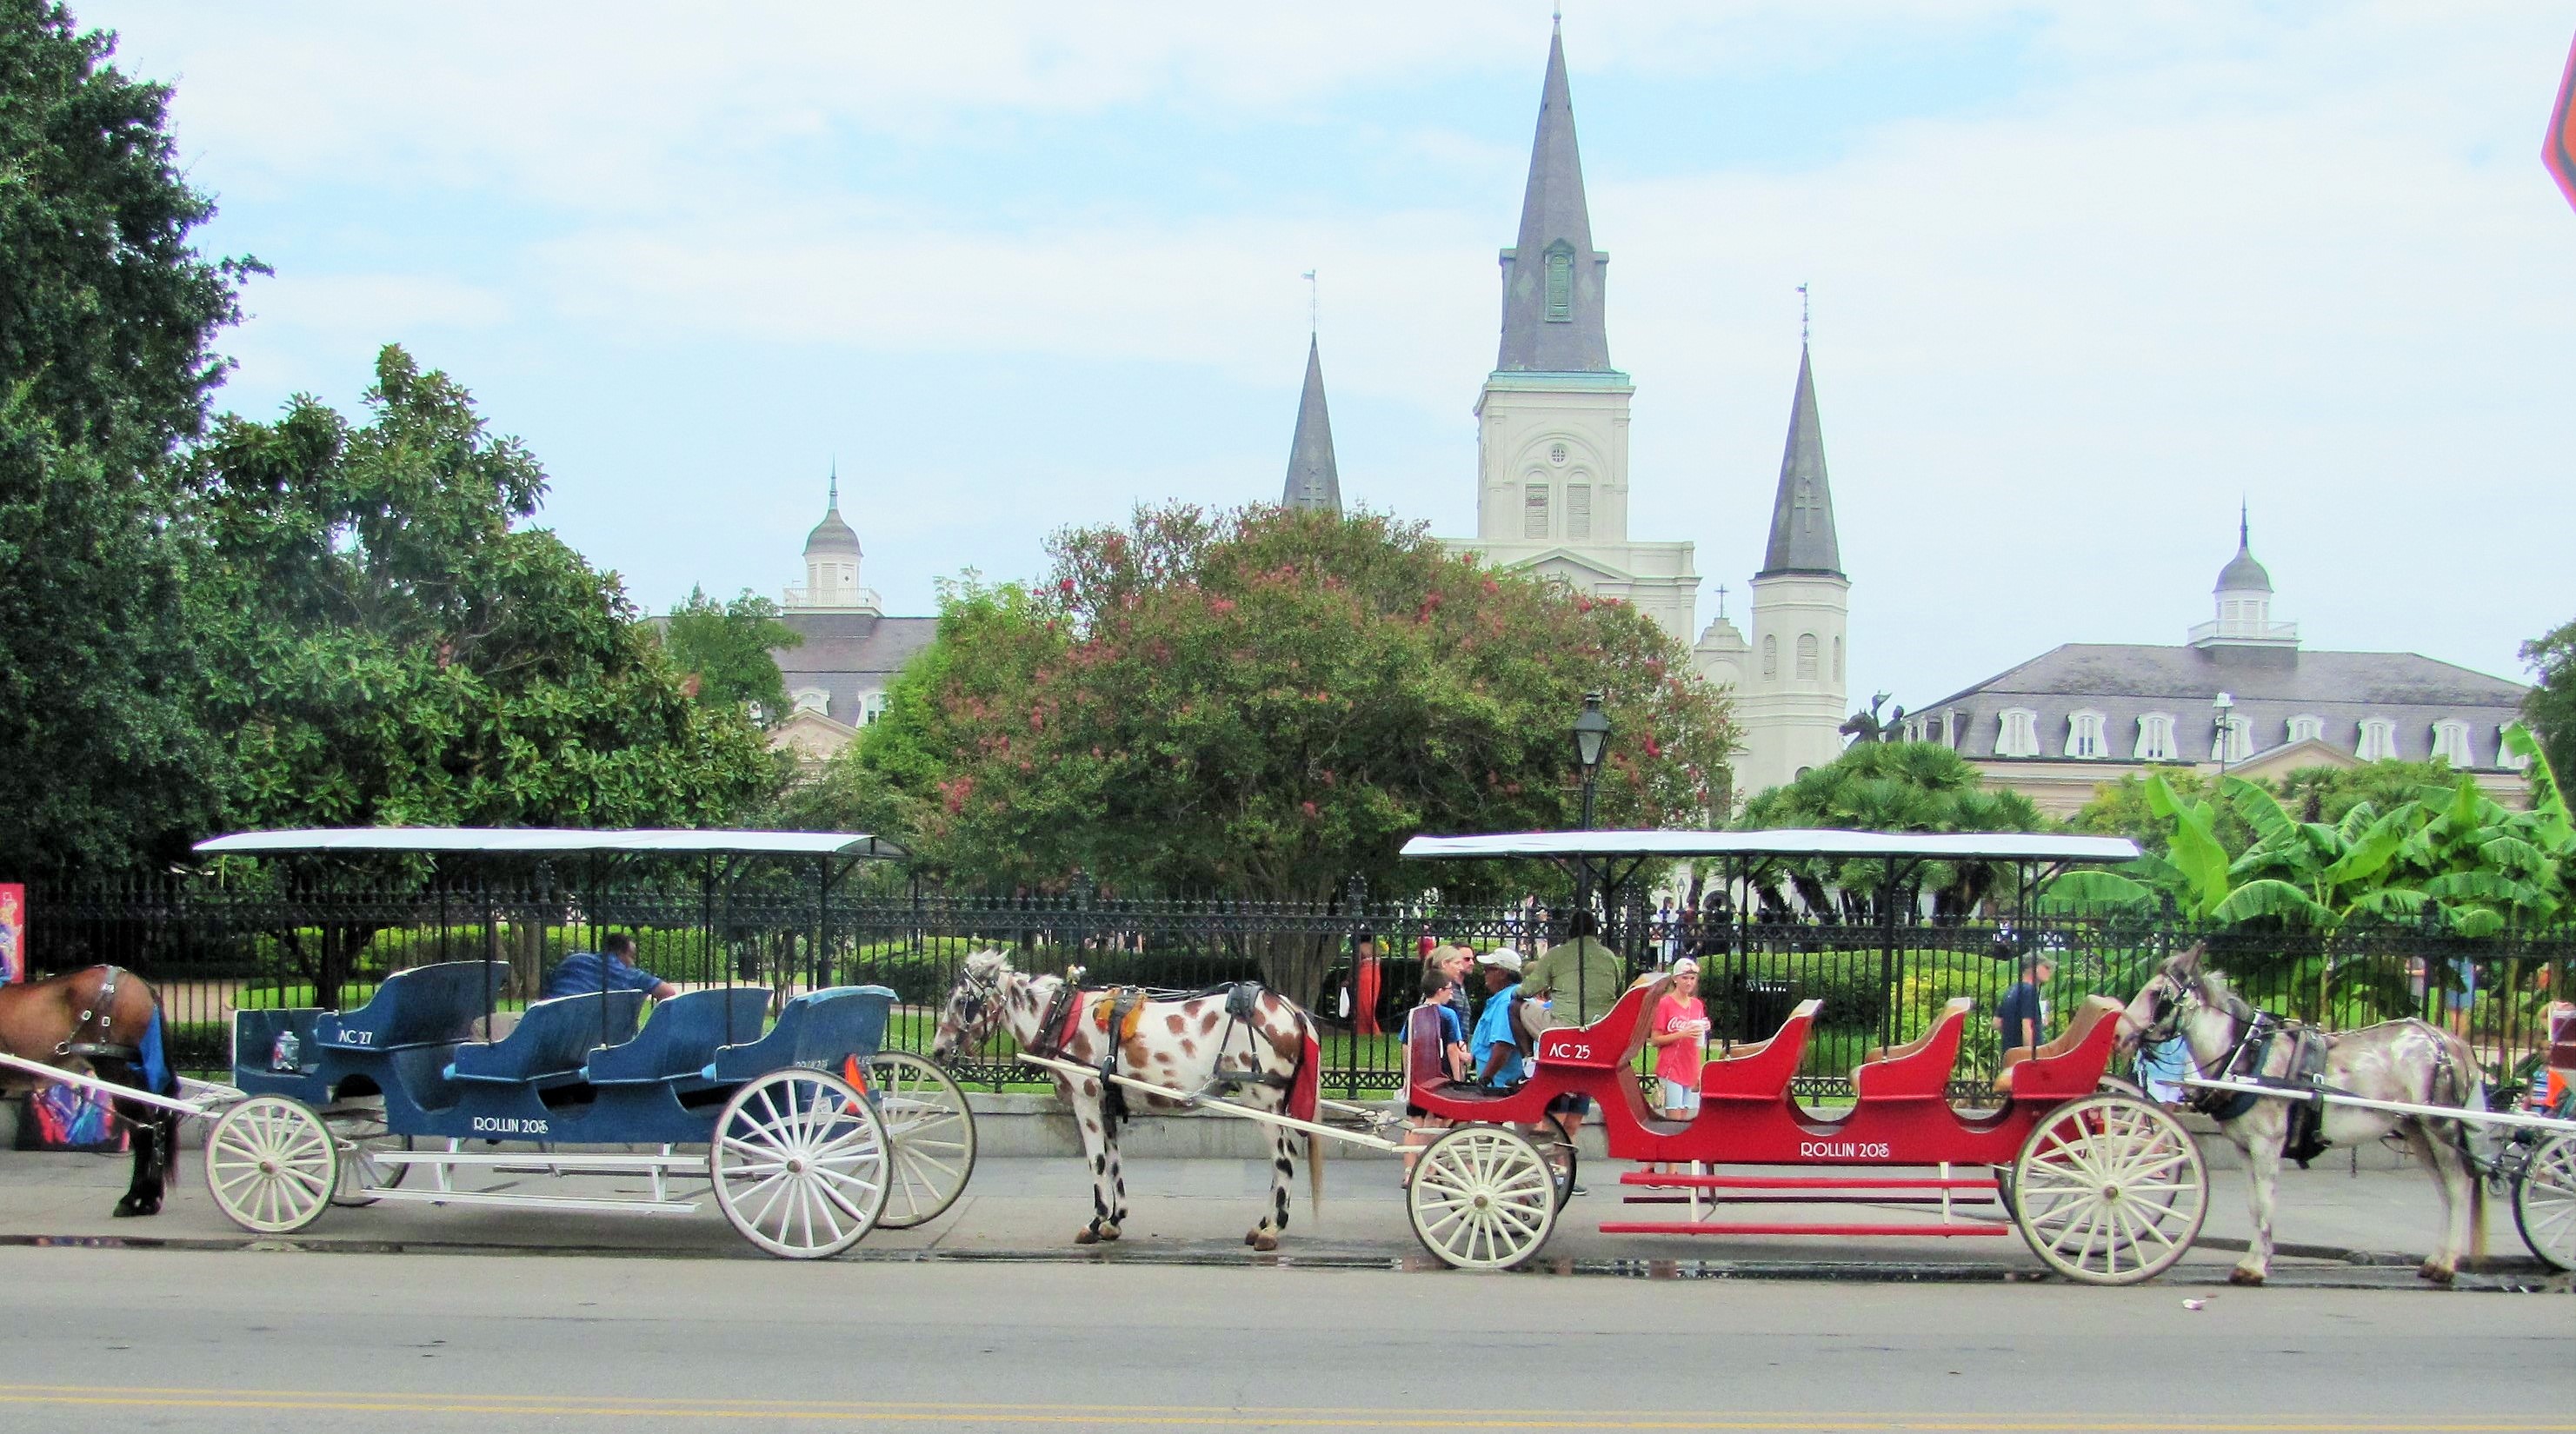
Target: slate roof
{"x": 1802, "y": 514}
{"x": 2126, "y": 681}
{"x": 849, "y": 654}
{"x": 1314, "y": 480}
{"x": 1553, "y": 212}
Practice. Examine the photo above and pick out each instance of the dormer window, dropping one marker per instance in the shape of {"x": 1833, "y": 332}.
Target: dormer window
{"x": 2017, "y": 734}
{"x": 815, "y": 700}
{"x": 2451, "y": 742}
{"x": 2378, "y": 740}
{"x": 2304, "y": 728}
{"x": 2084, "y": 735}
{"x": 2156, "y": 738}
{"x": 1560, "y": 282}
{"x": 2508, "y": 758}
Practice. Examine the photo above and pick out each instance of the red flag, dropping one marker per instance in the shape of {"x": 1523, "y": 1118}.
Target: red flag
{"x": 2559, "y": 150}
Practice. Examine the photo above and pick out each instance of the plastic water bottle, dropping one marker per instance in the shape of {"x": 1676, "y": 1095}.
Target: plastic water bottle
{"x": 287, "y": 1054}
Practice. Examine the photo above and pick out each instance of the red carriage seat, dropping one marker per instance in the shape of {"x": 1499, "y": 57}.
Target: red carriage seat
{"x": 1761, "y": 1070}
{"x": 1613, "y": 1040}
{"x": 2073, "y": 1064}
{"x": 1920, "y": 1068}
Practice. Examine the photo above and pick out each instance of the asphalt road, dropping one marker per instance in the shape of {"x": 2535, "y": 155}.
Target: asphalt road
{"x": 281, "y": 1342}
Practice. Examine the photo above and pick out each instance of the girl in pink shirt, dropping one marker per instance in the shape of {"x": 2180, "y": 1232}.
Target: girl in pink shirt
{"x": 1679, "y": 1036}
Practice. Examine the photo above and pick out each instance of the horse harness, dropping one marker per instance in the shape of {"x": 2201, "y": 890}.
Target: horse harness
{"x": 1118, "y": 1014}
{"x": 91, "y": 1037}
{"x": 2257, "y": 1032}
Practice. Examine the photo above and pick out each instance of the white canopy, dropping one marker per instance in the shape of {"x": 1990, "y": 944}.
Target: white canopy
{"x": 549, "y": 841}
{"x": 1935, "y": 846}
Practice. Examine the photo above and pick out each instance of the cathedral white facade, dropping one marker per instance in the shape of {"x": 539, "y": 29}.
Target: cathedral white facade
{"x": 1552, "y": 481}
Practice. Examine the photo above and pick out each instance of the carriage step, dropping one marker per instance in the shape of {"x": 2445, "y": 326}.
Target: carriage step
{"x": 1791, "y": 1182}
{"x": 1856, "y": 1197}
{"x": 1690, "y": 1227}
{"x": 537, "y": 1202}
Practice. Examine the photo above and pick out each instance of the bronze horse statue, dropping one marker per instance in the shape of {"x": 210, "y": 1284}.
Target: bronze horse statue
{"x": 108, "y": 1019}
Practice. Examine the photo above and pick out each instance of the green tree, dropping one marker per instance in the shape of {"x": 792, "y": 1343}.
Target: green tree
{"x": 389, "y": 647}
{"x": 1268, "y": 703}
{"x": 723, "y": 650}
{"x": 1891, "y": 787}
{"x": 2551, "y": 705}
{"x": 107, "y": 321}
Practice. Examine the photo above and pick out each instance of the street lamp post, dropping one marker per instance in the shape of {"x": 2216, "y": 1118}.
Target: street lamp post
{"x": 1591, "y": 740}
{"x": 2224, "y": 705}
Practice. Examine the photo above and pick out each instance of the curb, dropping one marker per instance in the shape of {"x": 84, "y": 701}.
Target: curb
{"x": 2488, "y": 1281}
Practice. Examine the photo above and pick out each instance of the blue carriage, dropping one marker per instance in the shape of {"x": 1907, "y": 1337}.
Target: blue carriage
{"x": 805, "y": 1129}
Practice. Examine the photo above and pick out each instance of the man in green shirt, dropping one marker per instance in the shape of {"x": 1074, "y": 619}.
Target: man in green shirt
{"x": 1579, "y": 977}
{"x": 1574, "y": 984}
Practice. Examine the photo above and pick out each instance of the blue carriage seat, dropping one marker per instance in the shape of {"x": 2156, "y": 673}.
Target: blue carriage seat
{"x": 551, "y": 1040}
{"x": 424, "y": 1006}
{"x": 682, "y": 1035}
{"x": 817, "y": 1030}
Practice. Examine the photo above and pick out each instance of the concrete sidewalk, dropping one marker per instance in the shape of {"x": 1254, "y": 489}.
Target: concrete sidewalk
{"x": 2375, "y": 1225}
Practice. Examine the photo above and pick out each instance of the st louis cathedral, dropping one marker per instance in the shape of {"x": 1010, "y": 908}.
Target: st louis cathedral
{"x": 1552, "y": 478}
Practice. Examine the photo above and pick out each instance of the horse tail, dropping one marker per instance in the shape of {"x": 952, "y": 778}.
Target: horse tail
{"x": 1305, "y": 1102}
{"x": 1315, "y": 1177}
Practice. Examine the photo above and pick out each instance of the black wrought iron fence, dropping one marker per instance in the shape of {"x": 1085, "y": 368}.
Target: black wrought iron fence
{"x": 212, "y": 950}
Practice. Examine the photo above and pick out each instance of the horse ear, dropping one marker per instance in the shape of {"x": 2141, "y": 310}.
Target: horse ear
{"x": 2187, "y": 961}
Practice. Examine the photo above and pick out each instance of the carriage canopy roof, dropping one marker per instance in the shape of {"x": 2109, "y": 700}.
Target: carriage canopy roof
{"x": 1930, "y": 846}
{"x": 554, "y": 841}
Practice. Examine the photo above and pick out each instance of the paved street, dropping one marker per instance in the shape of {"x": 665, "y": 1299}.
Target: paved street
{"x": 282, "y": 1342}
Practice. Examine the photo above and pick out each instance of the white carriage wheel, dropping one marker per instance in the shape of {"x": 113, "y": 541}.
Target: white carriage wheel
{"x": 2544, "y": 1202}
{"x": 799, "y": 1163}
{"x": 1481, "y": 1198}
{"x": 271, "y": 1165}
{"x": 359, "y": 1131}
{"x": 2109, "y": 1190}
{"x": 933, "y": 1134}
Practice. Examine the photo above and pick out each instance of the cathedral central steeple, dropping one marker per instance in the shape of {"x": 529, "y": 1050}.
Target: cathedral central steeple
{"x": 1552, "y": 278}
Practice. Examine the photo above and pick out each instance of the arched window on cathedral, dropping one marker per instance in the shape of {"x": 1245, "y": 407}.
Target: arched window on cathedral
{"x": 1770, "y": 656}
{"x": 1578, "y": 512}
{"x": 1806, "y": 657}
{"x": 1534, "y": 523}
{"x": 1560, "y": 282}
{"x": 1838, "y": 659}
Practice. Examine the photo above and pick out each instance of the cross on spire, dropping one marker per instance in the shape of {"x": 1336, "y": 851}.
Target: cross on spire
{"x": 1803, "y": 314}
{"x": 836, "y": 481}
{"x": 1314, "y": 305}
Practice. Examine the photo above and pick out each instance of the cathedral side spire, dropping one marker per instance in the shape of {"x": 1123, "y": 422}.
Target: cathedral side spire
{"x": 1802, "y": 515}
{"x": 1314, "y": 480}
{"x": 1553, "y": 318}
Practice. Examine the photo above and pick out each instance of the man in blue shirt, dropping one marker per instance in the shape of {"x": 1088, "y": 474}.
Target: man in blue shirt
{"x": 2022, "y": 1019}
{"x": 586, "y": 971}
{"x": 1494, "y": 1051}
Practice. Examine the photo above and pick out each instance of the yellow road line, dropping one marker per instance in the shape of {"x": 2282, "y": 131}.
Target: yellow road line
{"x": 1198, "y": 1416}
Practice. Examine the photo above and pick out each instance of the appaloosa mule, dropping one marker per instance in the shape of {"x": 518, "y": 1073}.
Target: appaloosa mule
{"x": 2408, "y": 1061}
{"x": 1249, "y": 1046}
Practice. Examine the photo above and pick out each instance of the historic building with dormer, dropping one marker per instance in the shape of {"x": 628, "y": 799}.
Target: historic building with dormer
{"x": 2239, "y": 695}
{"x": 1552, "y": 479}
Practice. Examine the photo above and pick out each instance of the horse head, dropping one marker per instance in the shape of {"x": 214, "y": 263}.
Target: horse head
{"x": 974, "y": 1005}
{"x": 2155, "y": 1014}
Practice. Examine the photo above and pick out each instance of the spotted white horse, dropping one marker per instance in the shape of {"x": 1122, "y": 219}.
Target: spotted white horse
{"x": 1263, "y": 1054}
{"x": 2406, "y": 1061}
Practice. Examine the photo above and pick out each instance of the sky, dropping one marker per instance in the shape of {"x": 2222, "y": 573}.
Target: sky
{"x": 2085, "y": 277}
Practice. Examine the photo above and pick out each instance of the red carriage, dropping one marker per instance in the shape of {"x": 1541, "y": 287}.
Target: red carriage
{"x": 2106, "y": 1187}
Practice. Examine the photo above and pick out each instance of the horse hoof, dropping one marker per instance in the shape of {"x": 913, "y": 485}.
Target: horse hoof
{"x": 1108, "y": 1233}
{"x": 126, "y": 1209}
{"x": 2438, "y": 1274}
{"x": 1087, "y": 1237}
{"x": 1261, "y": 1242}
{"x": 2242, "y": 1276}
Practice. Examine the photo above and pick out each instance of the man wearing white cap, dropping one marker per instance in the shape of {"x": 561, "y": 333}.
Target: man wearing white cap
{"x": 1494, "y": 1049}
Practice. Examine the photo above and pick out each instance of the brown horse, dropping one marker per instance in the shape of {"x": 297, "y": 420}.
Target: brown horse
{"x": 109, "y": 1020}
